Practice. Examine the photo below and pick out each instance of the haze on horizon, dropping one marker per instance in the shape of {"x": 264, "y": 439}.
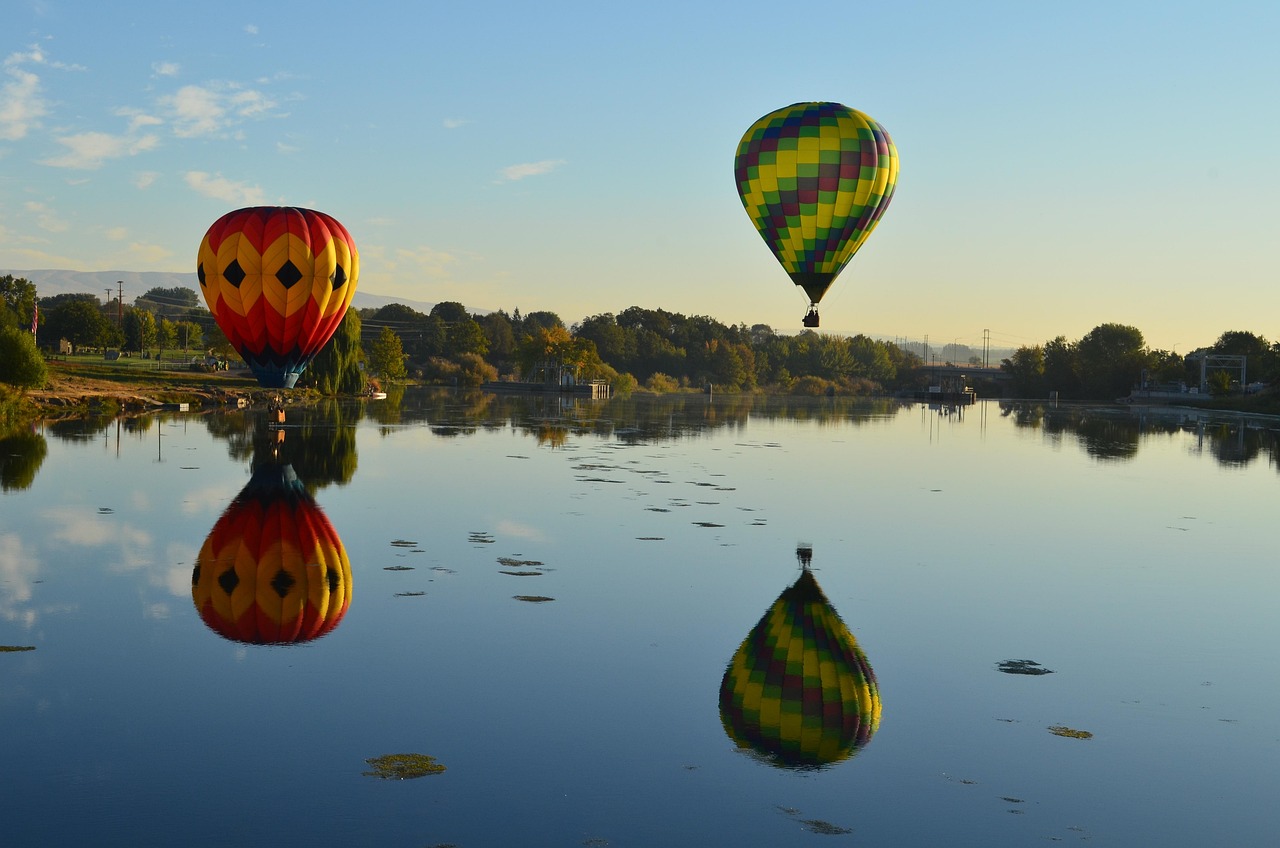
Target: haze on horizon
{"x": 1062, "y": 167}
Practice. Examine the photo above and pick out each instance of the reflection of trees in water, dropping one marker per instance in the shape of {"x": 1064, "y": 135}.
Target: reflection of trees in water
{"x": 553, "y": 418}
{"x": 1117, "y": 433}
{"x": 79, "y": 429}
{"x": 318, "y": 441}
{"x": 22, "y": 452}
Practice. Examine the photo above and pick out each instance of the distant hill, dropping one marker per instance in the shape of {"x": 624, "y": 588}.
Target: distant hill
{"x": 137, "y": 283}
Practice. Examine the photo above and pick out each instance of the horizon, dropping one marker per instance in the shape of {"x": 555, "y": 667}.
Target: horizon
{"x": 498, "y": 154}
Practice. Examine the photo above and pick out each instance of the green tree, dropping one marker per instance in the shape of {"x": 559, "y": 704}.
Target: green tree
{"x": 1061, "y": 367}
{"x": 78, "y": 321}
{"x": 139, "y": 330}
{"x": 19, "y": 297}
{"x": 1261, "y": 361}
{"x": 166, "y": 336}
{"x": 386, "y": 356}
{"x": 1111, "y": 357}
{"x": 170, "y": 303}
{"x": 336, "y": 368}
{"x": 21, "y": 364}
{"x": 188, "y": 335}
{"x": 1026, "y": 371}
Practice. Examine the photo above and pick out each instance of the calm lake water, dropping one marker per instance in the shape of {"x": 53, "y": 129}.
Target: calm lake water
{"x": 587, "y": 613}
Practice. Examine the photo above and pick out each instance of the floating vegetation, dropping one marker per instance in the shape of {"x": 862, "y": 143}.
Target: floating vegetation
{"x": 708, "y": 503}
{"x": 403, "y": 543}
{"x": 481, "y": 538}
{"x": 512, "y": 561}
{"x": 1023, "y": 667}
{"x": 656, "y": 509}
{"x": 759, "y": 522}
{"x": 189, "y": 467}
{"x": 706, "y": 524}
{"x": 596, "y": 480}
{"x": 726, "y": 488}
{"x": 443, "y": 570}
{"x": 1011, "y": 800}
{"x": 533, "y": 599}
{"x": 516, "y": 456}
{"x": 398, "y": 568}
{"x": 403, "y": 766}
{"x": 1069, "y": 732}
{"x": 9, "y": 649}
{"x": 105, "y": 510}
{"x": 825, "y": 827}
{"x": 651, "y": 538}
{"x": 410, "y": 594}
{"x": 521, "y": 573}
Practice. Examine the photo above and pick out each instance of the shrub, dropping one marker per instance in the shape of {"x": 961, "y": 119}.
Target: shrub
{"x": 21, "y": 364}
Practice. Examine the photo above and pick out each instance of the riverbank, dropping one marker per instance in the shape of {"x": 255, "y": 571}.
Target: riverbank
{"x": 78, "y": 387}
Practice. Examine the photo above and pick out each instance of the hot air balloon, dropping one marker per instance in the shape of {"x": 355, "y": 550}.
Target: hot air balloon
{"x": 273, "y": 570}
{"x": 278, "y": 280}
{"x": 815, "y": 178}
{"x": 799, "y": 692}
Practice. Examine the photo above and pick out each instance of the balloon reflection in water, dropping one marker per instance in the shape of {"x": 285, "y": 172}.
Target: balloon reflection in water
{"x": 799, "y": 692}
{"x": 273, "y": 570}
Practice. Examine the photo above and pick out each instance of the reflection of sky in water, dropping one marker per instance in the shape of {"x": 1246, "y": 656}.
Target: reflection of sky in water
{"x": 1137, "y": 564}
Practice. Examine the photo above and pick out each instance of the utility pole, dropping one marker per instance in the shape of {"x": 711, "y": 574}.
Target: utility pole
{"x": 986, "y": 348}
{"x": 120, "y": 306}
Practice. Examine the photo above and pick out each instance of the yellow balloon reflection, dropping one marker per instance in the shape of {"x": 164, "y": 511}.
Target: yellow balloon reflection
{"x": 799, "y": 693}
{"x": 273, "y": 570}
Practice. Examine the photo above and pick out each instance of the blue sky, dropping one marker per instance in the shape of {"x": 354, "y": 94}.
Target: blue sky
{"x": 1062, "y": 165}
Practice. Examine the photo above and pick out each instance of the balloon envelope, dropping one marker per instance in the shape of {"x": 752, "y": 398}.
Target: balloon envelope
{"x": 273, "y": 569}
{"x": 799, "y": 693}
{"x": 815, "y": 178}
{"x": 278, "y": 280}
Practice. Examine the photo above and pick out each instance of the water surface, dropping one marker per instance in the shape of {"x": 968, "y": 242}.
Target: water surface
{"x": 544, "y": 597}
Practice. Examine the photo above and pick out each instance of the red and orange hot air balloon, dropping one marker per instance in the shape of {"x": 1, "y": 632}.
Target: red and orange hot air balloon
{"x": 278, "y": 280}
{"x": 273, "y": 569}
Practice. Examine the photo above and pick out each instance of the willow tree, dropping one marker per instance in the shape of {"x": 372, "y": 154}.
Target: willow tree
{"x": 336, "y": 368}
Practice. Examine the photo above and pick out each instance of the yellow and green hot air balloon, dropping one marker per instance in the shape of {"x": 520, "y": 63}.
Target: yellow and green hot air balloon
{"x": 799, "y": 693}
{"x": 815, "y": 178}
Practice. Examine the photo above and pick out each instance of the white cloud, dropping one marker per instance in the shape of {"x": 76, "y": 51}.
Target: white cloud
{"x": 530, "y": 169}
{"x": 116, "y": 233}
{"x": 46, "y": 218}
{"x": 21, "y": 106}
{"x": 206, "y": 110}
{"x": 454, "y": 123}
{"x": 424, "y": 261}
{"x": 165, "y": 69}
{"x": 138, "y": 119}
{"x": 251, "y": 29}
{"x": 148, "y": 254}
{"x": 145, "y": 179}
{"x": 89, "y": 150}
{"x": 221, "y": 188}
{"x": 506, "y": 527}
{"x": 196, "y": 111}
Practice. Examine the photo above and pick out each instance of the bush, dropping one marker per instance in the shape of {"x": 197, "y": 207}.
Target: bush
{"x": 466, "y": 369}
{"x": 21, "y": 364}
{"x": 661, "y": 383}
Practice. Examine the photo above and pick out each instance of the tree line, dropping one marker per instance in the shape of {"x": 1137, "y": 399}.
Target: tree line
{"x": 637, "y": 347}
{"x": 1111, "y": 360}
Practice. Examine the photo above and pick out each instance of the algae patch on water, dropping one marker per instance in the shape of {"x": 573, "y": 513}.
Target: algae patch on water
{"x": 403, "y": 766}
{"x": 1023, "y": 667}
{"x": 14, "y": 648}
{"x": 1070, "y": 733}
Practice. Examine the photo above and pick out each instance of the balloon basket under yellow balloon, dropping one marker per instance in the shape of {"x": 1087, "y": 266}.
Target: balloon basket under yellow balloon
{"x": 811, "y": 317}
